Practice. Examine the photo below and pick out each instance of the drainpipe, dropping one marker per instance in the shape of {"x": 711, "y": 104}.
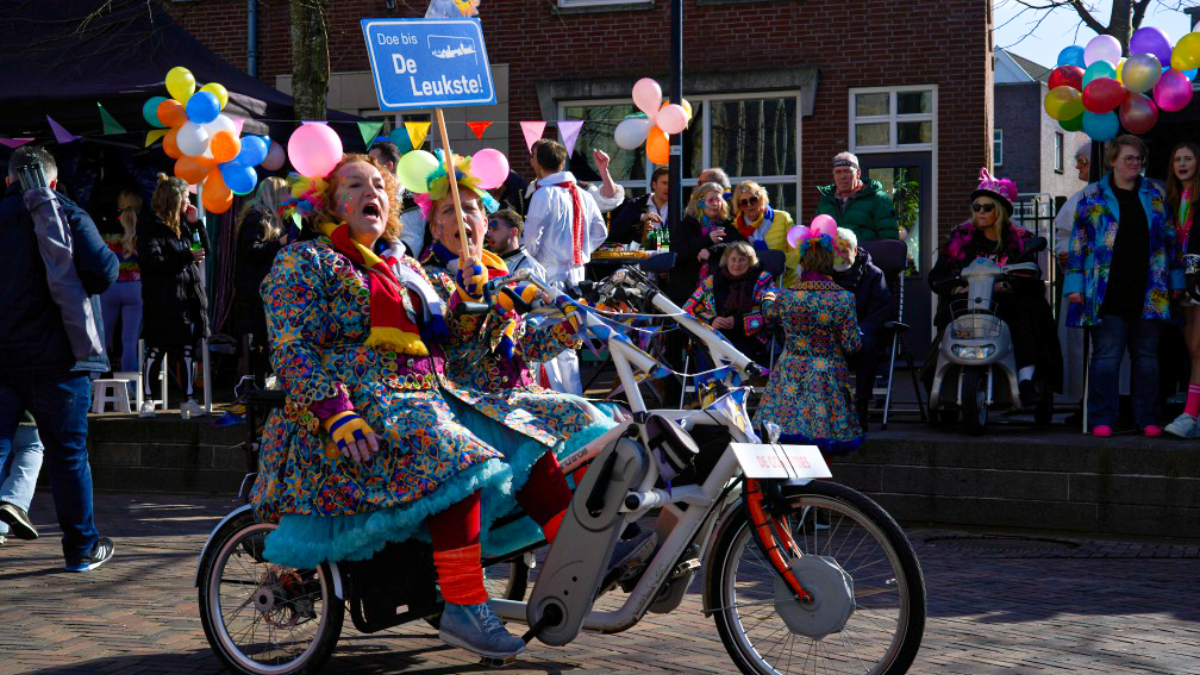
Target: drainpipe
{"x": 252, "y": 37}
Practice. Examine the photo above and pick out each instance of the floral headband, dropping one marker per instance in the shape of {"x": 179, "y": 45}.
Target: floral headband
{"x": 308, "y": 196}
{"x": 437, "y": 184}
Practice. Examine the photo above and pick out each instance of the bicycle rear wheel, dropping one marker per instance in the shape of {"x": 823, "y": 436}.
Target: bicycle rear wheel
{"x": 884, "y": 630}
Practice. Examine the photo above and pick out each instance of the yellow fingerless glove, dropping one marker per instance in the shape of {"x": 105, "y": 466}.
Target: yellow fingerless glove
{"x": 509, "y": 299}
{"x": 347, "y": 427}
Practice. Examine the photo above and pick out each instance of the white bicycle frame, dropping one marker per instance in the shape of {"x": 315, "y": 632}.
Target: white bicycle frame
{"x": 683, "y": 525}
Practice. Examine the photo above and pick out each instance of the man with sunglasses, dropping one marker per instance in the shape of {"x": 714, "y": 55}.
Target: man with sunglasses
{"x": 861, "y": 207}
{"x": 504, "y": 239}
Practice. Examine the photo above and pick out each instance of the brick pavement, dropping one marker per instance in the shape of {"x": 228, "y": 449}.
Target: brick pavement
{"x": 996, "y": 606}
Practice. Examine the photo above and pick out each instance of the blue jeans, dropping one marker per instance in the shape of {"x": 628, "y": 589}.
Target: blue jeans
{"x": 19, "y": 470}
{"x": 59, "y": 404}
{"x": 1110, "y": 340}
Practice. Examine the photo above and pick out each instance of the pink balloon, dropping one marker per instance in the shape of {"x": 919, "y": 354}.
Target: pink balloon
{"x": 672, "y": 118}
{"x": 314, "y": 149}
{"x": 490, "y": 166}
{"x": 647, "y": 96}
{"x": 824, "y": 225}
{"x": 797, "y": 233}
{"x": 275, "y": 157}
{"x": 1173, "y": 91}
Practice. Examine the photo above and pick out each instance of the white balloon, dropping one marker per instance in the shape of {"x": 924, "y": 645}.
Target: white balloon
{"x": 672, "y": 118}
{"x": 192, "y": 139}
{"x": 221, "y": 123}
{"x": 631, "y": 133}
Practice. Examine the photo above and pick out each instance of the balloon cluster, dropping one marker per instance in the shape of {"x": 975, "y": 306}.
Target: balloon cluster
{"x": 823, "y": 230}
{"x": 654, "y": 123}
{"x": 206, "y": 144}
{"x": 1096, "y": 90}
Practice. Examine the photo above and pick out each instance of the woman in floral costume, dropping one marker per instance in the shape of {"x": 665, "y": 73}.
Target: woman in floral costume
{"x": 374, "y": 442}
{"x": 809, "y": 392}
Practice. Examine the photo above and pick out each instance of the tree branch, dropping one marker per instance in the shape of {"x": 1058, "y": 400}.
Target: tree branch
{"x": 1088, "y": 20}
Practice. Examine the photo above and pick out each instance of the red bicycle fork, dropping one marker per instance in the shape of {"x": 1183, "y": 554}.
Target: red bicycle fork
{"x": 774, "y": 537}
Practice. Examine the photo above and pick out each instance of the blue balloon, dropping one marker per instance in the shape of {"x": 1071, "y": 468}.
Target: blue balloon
{"x": 1071, "y": 56}
{"x": 1191, "y": 74}
{"x": 254, "y": 151}
{"x": 240, "y": 179}
{"x": 203, "y": 107}
{"x": 1101, "y": 127}
{"x": 150, "y": 111}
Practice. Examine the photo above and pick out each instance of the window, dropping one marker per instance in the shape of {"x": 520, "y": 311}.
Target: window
{"x": 998, "y": 147}
{"x": 592, "y": 3}
{"x": 1058, "y": 152}
{"x": 896, "y": 118}
{"x": 751, "y": 136}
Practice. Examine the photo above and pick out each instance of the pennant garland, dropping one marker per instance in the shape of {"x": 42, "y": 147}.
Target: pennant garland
{"x": 110, "y": 123}
{"x": 533, "y": 131}
{"x": 14, "y": 142}
{"x": 154, "y": 135}
{"x": 478, "y": 128}
{"x": 369, "y": 131}
{"x": 417, "y": 131}
{"x": 60, "y": 134}
{"x": 570, "y": 133}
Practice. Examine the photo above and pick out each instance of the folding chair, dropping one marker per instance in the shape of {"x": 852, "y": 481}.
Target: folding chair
{"x": 892, "y": 258}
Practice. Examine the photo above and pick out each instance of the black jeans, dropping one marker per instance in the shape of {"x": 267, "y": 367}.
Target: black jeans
{"x": 1021, "y": 315}
{"x": 866, "y": 364}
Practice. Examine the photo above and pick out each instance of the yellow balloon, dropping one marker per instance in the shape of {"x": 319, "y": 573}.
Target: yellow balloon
{"x": 219, "y": 91}
{"x": 1186, "y": 55}
{"x": 1121, "y": 67}
{"x": 687, "y": 107}
{"x": 181, "y": 84}
{"x": 1064, "y": 103}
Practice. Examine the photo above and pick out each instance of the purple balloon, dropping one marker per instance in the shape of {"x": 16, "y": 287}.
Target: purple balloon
{"x": 797, "y": 233}
{"x": 1151, "y": 40}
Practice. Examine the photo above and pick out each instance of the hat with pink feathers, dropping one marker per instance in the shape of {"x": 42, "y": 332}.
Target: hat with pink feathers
{"x": 1003, "y": 190}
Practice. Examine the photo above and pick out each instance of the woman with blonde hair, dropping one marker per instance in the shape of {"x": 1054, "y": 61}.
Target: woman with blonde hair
{"x": 171, "y": 247}
{"x": 731, "y": 299}
{"x": 763, "y": 226}
{"x": 261, "y": 232}
{"x": 699, "y": 240}
{"x": 123, "y": 299}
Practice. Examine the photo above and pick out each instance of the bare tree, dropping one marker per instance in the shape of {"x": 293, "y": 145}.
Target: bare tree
{"x": 310, "y": 57}
{"x": 1123, "y": 19}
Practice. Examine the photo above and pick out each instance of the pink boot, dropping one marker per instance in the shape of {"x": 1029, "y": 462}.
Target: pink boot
{"x": 1101, "y": 431}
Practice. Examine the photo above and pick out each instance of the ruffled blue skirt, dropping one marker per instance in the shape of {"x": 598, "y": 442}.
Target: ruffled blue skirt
{"x": 304, "y": 541}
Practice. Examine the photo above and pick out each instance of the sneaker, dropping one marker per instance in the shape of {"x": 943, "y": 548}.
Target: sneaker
{"x": 476, "y": 628}
{"x": 190, "y": 409}
{"x": 1152, "y": 431}
{"x": 18, "y": 521}
{"x": 101, "y": 553}
{"x": 3, "y": 540}
{"x": 1184, "y": 426}
{"x": 1102, "y": 431}
{"x": 147, "y": 409}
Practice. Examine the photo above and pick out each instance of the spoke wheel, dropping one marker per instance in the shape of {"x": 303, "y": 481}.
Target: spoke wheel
{"x": 884, "y": 631}
{"x": 261, "y": 618}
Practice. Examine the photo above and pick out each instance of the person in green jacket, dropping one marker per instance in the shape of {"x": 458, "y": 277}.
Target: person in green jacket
{"x": 863, "y": 208}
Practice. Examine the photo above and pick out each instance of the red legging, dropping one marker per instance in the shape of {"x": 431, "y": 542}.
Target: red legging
{"x": 455, "y": 531}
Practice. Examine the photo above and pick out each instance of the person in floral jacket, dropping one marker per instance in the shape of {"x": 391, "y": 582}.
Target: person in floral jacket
{"x": 731, "y": 300}
{"x": 1123, "y": 269}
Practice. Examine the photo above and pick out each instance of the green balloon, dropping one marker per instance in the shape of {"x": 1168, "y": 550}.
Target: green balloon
{"x": 414, "y": 168}
{"x": 1097, "y": 70}
{"x": 1073, "y": 124}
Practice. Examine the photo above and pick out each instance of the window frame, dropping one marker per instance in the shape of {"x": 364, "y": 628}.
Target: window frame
{"x": 701, "y": 103}
{"x": 997, "y": 142}
{"x": 572, "y": 4}
{"x": 1060, "y": 163}
{"x": 892, "y": 118}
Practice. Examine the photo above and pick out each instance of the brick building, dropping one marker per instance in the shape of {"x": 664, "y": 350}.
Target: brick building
{"x": 778, "y": 86}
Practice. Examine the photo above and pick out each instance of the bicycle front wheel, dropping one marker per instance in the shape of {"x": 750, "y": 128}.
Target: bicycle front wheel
{"x": 885, "y": 626}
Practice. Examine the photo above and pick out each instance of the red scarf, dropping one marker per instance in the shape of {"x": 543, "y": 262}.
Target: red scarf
{"x": 576, "y": 220}
{"x": 391, "y": 327}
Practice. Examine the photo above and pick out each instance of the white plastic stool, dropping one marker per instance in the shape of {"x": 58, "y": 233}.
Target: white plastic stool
{"x": 113, "y": 391}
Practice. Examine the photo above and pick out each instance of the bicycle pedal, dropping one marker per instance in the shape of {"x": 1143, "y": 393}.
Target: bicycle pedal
{"x": 492, "y": 662}
{"x": 684, "y": 568}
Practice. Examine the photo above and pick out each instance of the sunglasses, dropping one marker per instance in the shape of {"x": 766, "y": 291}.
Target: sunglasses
{"x": 1081, "y": 162}
{"x": 986, "y": 208}
{"x": 713, "y": 199}
{"x": 748, "y": 201}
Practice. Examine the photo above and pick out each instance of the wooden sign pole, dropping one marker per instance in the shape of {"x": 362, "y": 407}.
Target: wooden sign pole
{"x": 465, "y": 256}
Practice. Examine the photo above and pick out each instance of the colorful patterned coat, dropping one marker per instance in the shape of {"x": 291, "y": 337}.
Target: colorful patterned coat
{"x": 317, "y": 309}
{"x": 809, "y": 393}
{"x": 1091, "y": 252}
{"x": 703, "y": 305}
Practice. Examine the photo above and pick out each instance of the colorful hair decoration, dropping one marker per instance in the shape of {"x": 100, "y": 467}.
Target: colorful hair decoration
{"x": 990, "y": 185}
{"x": 308, "y": 196}
{"x": 437, "y": 185}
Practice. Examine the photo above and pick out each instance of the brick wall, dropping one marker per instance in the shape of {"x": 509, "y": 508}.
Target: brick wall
{"x": 853, "y": 44}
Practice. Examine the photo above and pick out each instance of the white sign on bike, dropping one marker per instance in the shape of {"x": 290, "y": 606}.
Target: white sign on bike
{"x": 766, "y": 460}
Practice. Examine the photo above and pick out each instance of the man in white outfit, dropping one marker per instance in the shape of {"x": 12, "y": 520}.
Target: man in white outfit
{"x": 562, "y": 229}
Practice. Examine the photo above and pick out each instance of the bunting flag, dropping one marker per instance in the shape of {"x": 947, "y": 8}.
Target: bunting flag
{"x": 532, "y": 131}
{"x": 238, "y": 123}
{"x": 570, "y": 134}
{"x": 369, "y": 131}
{"x": 60, "y": 134}
{"x": 478, "y": 128}
{"x": 14, "y": 142}
{"x": 154, "y": 135}
{"x": 417, "y": 131}
{"x": 110, "y": 123}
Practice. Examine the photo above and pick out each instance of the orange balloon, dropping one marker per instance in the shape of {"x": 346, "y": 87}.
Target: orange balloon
{"x": 170, "y": 146}
{"x": 658, "y": 147}
{"x": 172, "y": 113}
{"x": 192, "y": 169}
{"x": 225, "y": 146}
{"x": 216, "y": 196}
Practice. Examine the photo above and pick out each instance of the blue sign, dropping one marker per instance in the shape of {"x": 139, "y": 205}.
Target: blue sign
{"x": 428, "y": 63}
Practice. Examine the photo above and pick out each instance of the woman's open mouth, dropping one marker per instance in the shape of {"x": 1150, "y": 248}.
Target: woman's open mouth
{"x": 372, "y": 211}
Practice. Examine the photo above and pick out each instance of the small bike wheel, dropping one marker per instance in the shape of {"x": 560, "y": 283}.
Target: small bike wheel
{"x": 974, "y": 403}
{"x": 885, "y": 627}
{"x": 261, "y": 618}
{"x": 507, "y": 580}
